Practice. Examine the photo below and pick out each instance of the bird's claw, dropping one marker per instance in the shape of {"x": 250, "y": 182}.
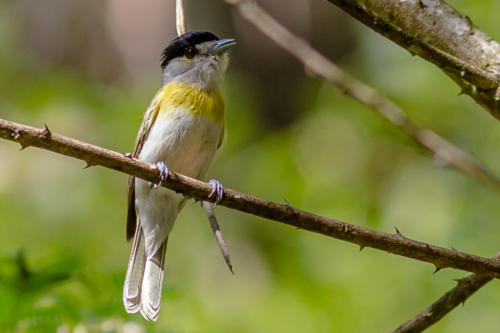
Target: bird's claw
{"x": 163, "y": 169}
{"x": 217, "y": 190}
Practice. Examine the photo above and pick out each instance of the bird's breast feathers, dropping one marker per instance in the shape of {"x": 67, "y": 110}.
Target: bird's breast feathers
{"x": 188, "y": 128}
{"x": 176, "y": 96}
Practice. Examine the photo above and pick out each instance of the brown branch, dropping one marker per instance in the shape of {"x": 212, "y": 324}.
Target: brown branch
{"x": 436, "y": 32}
{"x": 393, "y": 243}
{"x": 432, "y": 314}
{"x": 322, "y": 67}
{"x": 210, "y": 211}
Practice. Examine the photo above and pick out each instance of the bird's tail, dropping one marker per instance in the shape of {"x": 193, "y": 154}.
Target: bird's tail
{"x": 143, "y": 282}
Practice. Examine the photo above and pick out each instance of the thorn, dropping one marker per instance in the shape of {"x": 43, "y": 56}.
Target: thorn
{"x": 89, "y": 164}
{"x": 497, "y": 94}
{"x": 437, "y": 269}
{"x": 23, "y": 146}
{"x": 361, "y": 247}
{"x": 45, "y": 132}
{"x": 128, "y": 155}
{"x": 309, "y": 71}
{"x": 463, "y": 303}
{"x": 399, "y": 234}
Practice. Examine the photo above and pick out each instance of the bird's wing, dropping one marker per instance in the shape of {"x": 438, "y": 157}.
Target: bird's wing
{"x": 147, "y": 123}
{"x": 222, "y": 136}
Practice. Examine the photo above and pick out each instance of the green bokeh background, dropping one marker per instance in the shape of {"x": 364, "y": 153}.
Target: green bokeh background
{"x": 62, "y": 250}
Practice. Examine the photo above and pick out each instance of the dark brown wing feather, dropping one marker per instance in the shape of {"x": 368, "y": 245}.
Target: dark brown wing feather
{"x": 147, "y": 123}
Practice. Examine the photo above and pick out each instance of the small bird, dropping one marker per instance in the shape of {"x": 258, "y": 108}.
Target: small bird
{"x": 182, "y": 129}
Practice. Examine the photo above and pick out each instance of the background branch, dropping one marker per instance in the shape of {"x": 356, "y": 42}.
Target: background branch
{"x": 319, "y": 65}
{"x": 439, "y": 34}
{"x": 393, "y": 243}
{"x": 180, "y": 22}
{"x": 322, "y": 67}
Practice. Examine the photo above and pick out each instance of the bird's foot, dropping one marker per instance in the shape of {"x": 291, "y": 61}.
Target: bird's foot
{"x": 217, "y": 190}
{"x": 163, "y": 169}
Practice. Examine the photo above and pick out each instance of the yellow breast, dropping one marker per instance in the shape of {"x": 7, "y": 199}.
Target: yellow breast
{"x": 199, "y": 102}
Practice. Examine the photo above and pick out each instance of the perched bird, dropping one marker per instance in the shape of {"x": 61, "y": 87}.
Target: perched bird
{"x": 181, "y": 131}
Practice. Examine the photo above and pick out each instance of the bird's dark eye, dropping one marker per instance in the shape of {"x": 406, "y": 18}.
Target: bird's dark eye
{"x": 190, "y": 52}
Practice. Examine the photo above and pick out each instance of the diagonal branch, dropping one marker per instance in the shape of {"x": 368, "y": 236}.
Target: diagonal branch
{"x": 393, "y": 243}
{"x": 436, "y": 32}
{"x": 322, "y": 67}
{"x": 432, "y": 314}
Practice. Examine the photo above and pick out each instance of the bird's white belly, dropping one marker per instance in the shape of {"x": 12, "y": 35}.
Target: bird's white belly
{"x": 187, "y": 144}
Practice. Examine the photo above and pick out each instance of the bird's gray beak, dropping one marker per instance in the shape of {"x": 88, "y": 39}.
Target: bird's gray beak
{"x": 223, "y": 45}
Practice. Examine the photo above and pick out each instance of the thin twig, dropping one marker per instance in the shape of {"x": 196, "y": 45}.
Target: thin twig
{"x": 209, "y": 209}
{"x": 465, "y": 288}
{"x": 319, "y": 65}
{"x": 207, "y": 206}
{"x": 180, "y": 23}
{"x": 285, "y": 213}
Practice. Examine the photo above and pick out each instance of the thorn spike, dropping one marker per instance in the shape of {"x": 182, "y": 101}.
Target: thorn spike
{"x": 398, "y": 233}
{"x": 45, "y": 132}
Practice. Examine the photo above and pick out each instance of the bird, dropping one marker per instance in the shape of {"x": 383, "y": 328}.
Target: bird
{"x": 182, "y": 129}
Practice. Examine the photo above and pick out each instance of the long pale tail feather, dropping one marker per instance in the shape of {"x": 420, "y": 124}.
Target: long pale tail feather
{"x": 152, "y": 284}
{"x": 135, "y": 273}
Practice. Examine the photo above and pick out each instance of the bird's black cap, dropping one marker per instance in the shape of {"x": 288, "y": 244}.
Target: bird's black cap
{"x": 177, "y": 46}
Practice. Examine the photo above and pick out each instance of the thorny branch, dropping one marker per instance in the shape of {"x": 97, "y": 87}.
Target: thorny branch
{"x": 481, "y": 82}
{"x": 438, "y": 33}
{"x": 465, "y": 288}
{"x": 322, "y": 67}
{"x": 124, "y": 162}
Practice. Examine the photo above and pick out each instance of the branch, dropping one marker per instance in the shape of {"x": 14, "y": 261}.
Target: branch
{"x": 207, "y": 206}
{"x": 210, "y": 211}
{"x": 465, "y": 288}
{"x": 322, "y": 67}
{"x": 124, "y": 162}
{"x": 436, "y": 32}
{"x": 180, "y": 23}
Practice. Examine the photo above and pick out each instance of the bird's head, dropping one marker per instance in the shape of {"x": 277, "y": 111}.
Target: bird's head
{"x": 197, "y": 58}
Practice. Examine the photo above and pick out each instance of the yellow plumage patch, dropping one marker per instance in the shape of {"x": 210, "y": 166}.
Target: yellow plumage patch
{"x": 199, "y": 102}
